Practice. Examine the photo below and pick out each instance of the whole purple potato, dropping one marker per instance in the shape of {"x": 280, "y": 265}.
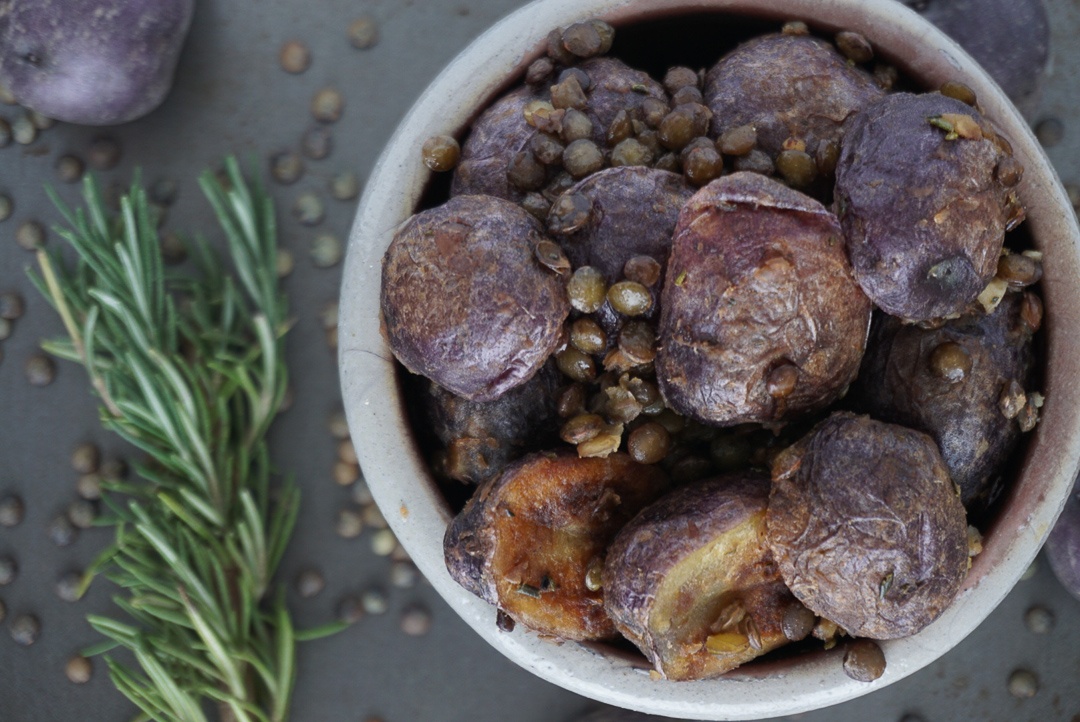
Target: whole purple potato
{"x": 497, "y": 135}
{"x": 1063, "y": 546}
{"x": 1010, "y": 39}
{"x": 92, "y": 62}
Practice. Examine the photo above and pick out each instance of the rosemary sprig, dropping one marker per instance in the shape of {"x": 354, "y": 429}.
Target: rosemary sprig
{"x": 190, "y": 370}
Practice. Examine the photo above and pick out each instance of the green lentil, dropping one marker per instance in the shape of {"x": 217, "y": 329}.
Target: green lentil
{"x": 629, "y": 298}
{"x": 30, "y": 235}
{"x": 587, "y": 289}
{"x": 582, "y": 157}
{"x": 294, "y": 57}
{"x": 344, "y": 186}
{"x": 317, "y": 142}
{"x": 308, "y": 209}
{"x": 441, "y": 153}
{"x": 104, "y": 153}
{"x": 796, "y": 167}
{"x": 363, "y": 32}
{"x": 327, "y": 105}
{"x": 286, "y": 167}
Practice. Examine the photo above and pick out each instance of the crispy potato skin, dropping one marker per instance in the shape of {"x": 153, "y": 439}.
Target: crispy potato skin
{"x": 482, "y": 438}
{"x": 924, "y": 217}
{"x": 634, "y": 211}
{"x": 964, "y": 418}
{"x": 464, "y": 300}
{"x": 866, "y": 526}
{"x": 548, "y": 515}
{"x": 667, "y": 535}
{"x": 495, "y": 137}
{"x": 757, "y": 278}
{"x": 787, "y": 86}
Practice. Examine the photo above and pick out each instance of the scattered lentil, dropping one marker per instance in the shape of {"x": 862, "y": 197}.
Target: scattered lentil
{"x": 337, "y": 425}
{"x": 284, "y": 262}
{"x": 328, "y": 105}
{"x": 5, "y": 133}
{"x": 23, "y": 130}
{"x": 78, "y": 669}
{"x": 5, "y": 329}
{"x": 374, "y": 601}
{"x": 1031, "y": 571}
{"x": 12, "y": 510}
{"x": 415, "y": 620}
{"x": 25, "y": 629}
{"x": 286, "y": 167}
{"x": 11, "y": 305}
{"x": 88, "y": 486}
{"x": 374, "y": 518}
{"x": 441, "y": 153}
{"x": 9, "y": 569}
{"x": 363, "y": 32}
{"x": 361, "y": 494}
{"x": 294, "y": 57}
{"x": 383, "y": 542}
{"x": 61, "y": 531}
{"x": 345, "y": 474}
{"x": 347, "y": 452}
{"x": 104, "y": 153}
{"x": 350, "y": 523}
{"x": 326, "y": 250}
{"x": 309, "y": 583}
{"x": 317, "y": 142}
{"x": 404, "y": 574}
{"x": 41, "y": 122}
{"x": 70, "y": 168}
{"x": 3, "y": 610}
{"x": 30, "y": 235}
{"x": 6, "y": 207}
{"x": 40, "y": 370}
{"x": 345, "y": 186}
{"x": 1039, "y": 620}
{"x": 81, "y": 513}
{"x": 863, "y": 660}
{"x": 1023, "y": 684}
{"x": 86, "y": 458}
{"x": 67, "y": 586}
{"x": 308, "y": 209}
{"x": 350, "y": 609}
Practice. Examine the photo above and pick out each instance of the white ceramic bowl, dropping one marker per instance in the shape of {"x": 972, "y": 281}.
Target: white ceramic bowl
{"x": 417, "y": 511}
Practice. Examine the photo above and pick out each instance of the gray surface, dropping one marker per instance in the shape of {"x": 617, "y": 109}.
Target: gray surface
{"x": 231, "y": 97}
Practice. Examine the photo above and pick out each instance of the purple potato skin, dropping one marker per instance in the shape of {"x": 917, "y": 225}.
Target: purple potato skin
{"x": 464, "y": 300}
{"x": 924, "y": 217}
{"x": 1063, "y": 546}
{"x": 867, "y": 527}
{"x": 482, "y": 438}
{"x": 91, "y": 62}
{"x": 634, "y": 211}
{"x": 757, "y": 278}
{"x": 1009, "y": 38}
{"x": 964, "y": 418}
{"x": 667, "y": 534}
{"x": 495, "y": 137}
{"x": 612, "y": 88}
{"x": 787, "y": 86}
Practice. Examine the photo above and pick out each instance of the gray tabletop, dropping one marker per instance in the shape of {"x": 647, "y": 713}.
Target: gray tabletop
{"x": 232, "y": 96}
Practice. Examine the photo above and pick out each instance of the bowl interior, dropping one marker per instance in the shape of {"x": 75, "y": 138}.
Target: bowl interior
{"x": 653, "y": 35}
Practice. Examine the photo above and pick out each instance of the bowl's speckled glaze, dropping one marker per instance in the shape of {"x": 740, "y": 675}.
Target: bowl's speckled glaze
{"x": 416, "y": 510}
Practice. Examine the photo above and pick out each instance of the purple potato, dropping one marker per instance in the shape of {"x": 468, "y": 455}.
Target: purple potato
{"x": 691, "y": 580}
{"x": 615, "y": 86}
{"x": 787, "y": 86}
{"x": 92, "y": 62}
{"x": 465, "y": 301}
{"x": 480, "y": 439}
{"x": 924, "y": 209}
{"x": 533, "y": 539}
{"x": 631, "y": 211}
{"x": 761, "y": 319}
{"x": 1009, "y": 38}
{"x": 866, "y": 526}
{"x": 949, "y": 381}
{"x": 1063, "y": 546}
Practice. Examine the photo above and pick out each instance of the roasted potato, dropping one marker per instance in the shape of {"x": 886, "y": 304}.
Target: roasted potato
{"x": 617, "y": 214}
{"x": 532, "y": 540}
{"x": 691, "y": 580}
{"x": 951, "y": 382}
{"x": 480, "y": 439}
{"x": 924, "y": 194}
{"x": 866, "y": 527}
{"x": 787, "y": 87}
{"x": 761, "y": 320}
{"x": 465, "y": 301}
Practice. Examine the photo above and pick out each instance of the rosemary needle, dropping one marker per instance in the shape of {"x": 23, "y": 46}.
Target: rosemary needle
{"x": 190, "y": 370}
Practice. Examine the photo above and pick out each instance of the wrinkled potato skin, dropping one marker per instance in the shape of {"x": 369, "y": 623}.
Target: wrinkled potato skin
{"x": 909, "y": 199}
{"x": 634, "y": 211}
{"x": 513, "y": 525}
{"x": 963, "y": 418}
{"x": 92, "y": 62}
{"x": 855, "y": 501}
{"x": 464, "y": 300}
{"x": 611, "y": 89}
{"x": 757, "y": 278}
{"x": 661, "y": 538}
{"x": 482, "y": 438}
{"x": 495, "y": 137}
{"x": 787, "y": 86}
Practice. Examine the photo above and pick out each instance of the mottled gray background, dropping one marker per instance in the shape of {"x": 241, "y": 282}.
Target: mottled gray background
{"x": 232, "y": 97}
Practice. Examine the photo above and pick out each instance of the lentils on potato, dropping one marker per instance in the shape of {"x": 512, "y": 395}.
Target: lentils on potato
{"x": 923, "y": 206}
{"x": 949, "y": 381}
{"x": 691, "y": 581}
{"x": 532, "y": 540}
{"x": 464, "y": 300}
{"x": 866, "y": 526}
{"x": 761, "y": 319}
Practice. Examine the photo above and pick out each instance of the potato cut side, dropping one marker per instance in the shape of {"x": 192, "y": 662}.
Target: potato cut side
{"x": 692, "y": 583}
{"x": 533, "y": 540}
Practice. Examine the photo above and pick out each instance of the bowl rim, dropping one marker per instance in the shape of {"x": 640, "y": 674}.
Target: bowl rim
{"x": 417, "y": 512}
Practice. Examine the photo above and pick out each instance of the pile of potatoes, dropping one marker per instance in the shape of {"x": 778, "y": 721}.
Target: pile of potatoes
{"x": 733, "y": 359}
